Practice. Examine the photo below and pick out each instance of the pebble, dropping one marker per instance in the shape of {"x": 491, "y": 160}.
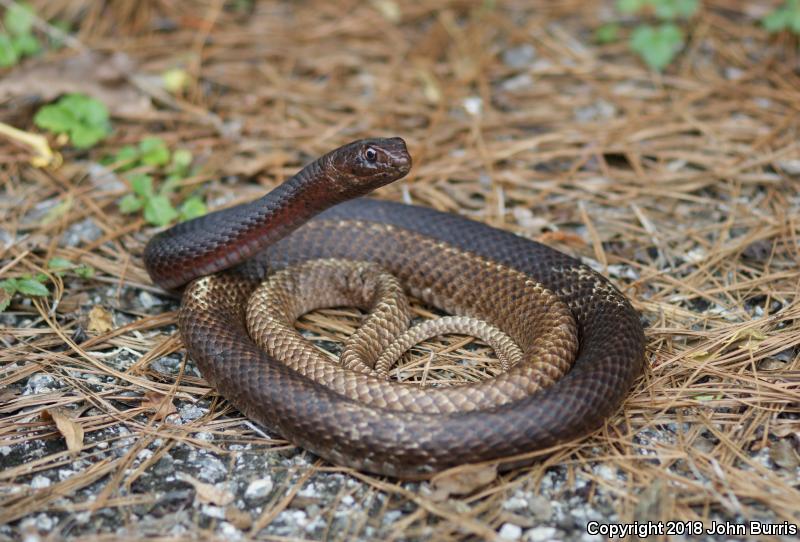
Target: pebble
{"x": 519, "y": 56}
{"x": 540, "y": 507}
{"x": 390, "y": 516}
{"x": 540, "y": 534}
{"x": 792, "y": 167}
{"x": 212, "y": 469}
{"x": 81, "y": 232}
{"x": 733, "y": 73}
{"x": 6, "y": 239}
{"x": 105, "y": 178}
{"x": 164, "y": 466}
{"x": 309, "y": 490}
{"x": 599, "y": 110}
{"x": 509, "y": 531}
{"x": 126, "y": 441}
{"x": 258, "y": 489}
{"x": 192, "y": 412}
{"x": 148, "y": 300}
{"x": 213, "y": 511}
{"x": 39, "y": 481}
{"x": 516, "y": 503}
{"x": 473, "y": 105}
{"x": 298, "y": 517}
{"x": 518, "y": 82}
{"x": 39, "y": 383}
{"x": 606, "y": 472}
{"x": 45, "y": 522}
{"x": 166, "y": 365}
{"x": 229, "y": 531}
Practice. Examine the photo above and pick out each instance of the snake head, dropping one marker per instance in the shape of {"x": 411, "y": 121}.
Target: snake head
{"x": 364, "y": 165}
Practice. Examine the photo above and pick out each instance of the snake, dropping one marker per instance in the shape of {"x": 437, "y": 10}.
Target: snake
{"x": 314, "y": 241}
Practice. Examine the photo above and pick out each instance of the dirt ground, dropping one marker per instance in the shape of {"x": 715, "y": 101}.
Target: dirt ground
{"x": 683, "y": 187}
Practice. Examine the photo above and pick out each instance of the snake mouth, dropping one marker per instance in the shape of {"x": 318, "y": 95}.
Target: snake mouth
{"x": 395, "y": 148}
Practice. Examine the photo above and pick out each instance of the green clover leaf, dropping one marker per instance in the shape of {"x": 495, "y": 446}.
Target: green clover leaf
{"x": 657, "y": 45}
{"x": 154, "y": 151}
{"x": 159, "y": 211}
{"x": 18, "y": 19}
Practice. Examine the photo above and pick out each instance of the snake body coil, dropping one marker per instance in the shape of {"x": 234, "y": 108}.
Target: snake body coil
{"x": 536, "y": 295}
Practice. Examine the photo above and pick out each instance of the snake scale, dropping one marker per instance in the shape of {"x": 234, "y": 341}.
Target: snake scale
{"x": 565, "y": 318}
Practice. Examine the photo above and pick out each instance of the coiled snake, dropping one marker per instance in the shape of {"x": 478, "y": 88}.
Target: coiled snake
{"x": 564, "y": 317}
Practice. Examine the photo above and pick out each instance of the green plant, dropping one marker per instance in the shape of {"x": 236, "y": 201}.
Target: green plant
{"x": 607, "y": 33}
{"x": 84, "y": 119}
{"x": 786, "y": 17}
{"x": 18, "y": 41}
{"x": 656, "y": 44}
{"x": 34, "y": 285}
{"x": 26, "y": 285}
{"x": 155, "y": 205}
{"x": 175, "y": 79}
{"x": 61, "y": 266}
{"x": 663, "y": 9}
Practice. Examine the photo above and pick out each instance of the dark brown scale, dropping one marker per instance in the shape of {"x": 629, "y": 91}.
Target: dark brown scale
{"x": 412, "y": 243}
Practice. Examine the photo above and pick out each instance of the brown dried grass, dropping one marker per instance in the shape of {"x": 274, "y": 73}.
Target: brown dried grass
{"x": 679, "y": 187}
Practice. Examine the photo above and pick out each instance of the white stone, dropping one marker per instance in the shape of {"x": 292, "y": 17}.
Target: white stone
{"x": 258, "y": 489}
{"x": 473, "y": 105}
{"x": 213, "y": 511}
{"x": 40, "y": 481}
{"x": 540, "y": 534}
{"x": 229, "y": 531}
{"x": 791, "y": 167}
{"x": 509, "y": 531}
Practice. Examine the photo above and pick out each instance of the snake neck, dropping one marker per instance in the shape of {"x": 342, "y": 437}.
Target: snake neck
{"x": 202, "y": 246}
{"x": 225, "y": 238}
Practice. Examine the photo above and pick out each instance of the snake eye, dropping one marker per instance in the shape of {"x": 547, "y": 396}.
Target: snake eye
{"x": 371, "y": 154}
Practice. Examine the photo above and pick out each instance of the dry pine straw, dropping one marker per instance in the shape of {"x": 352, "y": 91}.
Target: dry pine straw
{"x": 683, "y": 188}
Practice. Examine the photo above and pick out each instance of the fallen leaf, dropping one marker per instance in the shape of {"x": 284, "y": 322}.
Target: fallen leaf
{"x": 703, "y": 355}
{"x": 71, "y": 430}
{"x": 753, "y": 338}
{"x": 103, "y": 77}
{"x": 389, "y": 9}
{"x": 161, "y": 403}
{"x": 207, "y": 493}
{"x": 238, "y": 518}
{"x": 100, "y": 320}
{"x": 7, "y": 394}
{"x": 71, "y": 303}
{"x": 461, "y": 480}
{"x": 568, "y": 238}
{"x": 783, "y": 454}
